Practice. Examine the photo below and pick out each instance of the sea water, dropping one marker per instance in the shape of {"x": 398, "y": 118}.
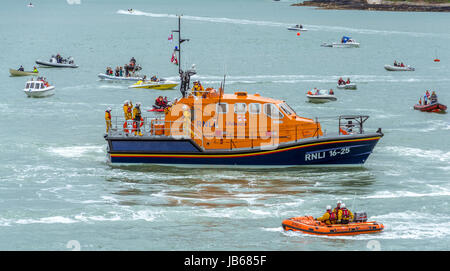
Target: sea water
{"x": 57, "y": 189}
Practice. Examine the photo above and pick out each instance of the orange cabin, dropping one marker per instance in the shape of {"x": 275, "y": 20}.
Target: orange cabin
{"x": 230, "y": 121}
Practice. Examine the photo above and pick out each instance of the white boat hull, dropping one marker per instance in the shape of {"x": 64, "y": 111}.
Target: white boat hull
{"x": 118, "y": 78}
{"x": 347, "y": 86}
{"x": 341, "y": 45}
{"x": 48, "y": 64}
{"x": 320, "y": 98}
{"x": 297, "y": 29}
{"x": 396, "y": 68}
{"x": 40, "y": 93}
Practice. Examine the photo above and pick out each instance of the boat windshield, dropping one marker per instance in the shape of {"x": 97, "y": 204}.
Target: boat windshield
{"x": 28, "y": 85}
{"x": 287, "y": 109}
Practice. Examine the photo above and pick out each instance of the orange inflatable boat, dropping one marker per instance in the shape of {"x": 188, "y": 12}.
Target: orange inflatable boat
{"x": 307, "y": 224}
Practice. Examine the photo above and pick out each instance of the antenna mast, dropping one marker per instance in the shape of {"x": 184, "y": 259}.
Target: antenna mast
{"x": 185, "y": 76}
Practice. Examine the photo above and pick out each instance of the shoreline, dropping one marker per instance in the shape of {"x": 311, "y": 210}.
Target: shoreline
{"x": 377, "y": 5}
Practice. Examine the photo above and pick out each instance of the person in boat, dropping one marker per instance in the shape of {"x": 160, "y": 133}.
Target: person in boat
{"x": 344, "y": 215}
{"x": 301, "y": 26}
{"x": 125, "y": 110}
{"x": 338, "y": 206}
{"x": 154, "y": 78}
{"x": 108, "y": 119}
{"x": 395, "y": 63}
{"x": 35, "y": 69}
{"x": 341, "y": 81}
{"x": 433, "y": 98}
{"x": 402, "y": 65}
{"x": 420, "y": 101}
{"x": 348, "y": 81}
{"x": 309, "y": 92}
{"x": 317, "y": 92}
{"x": 117, "y": 72}
{"x": 427, "y": 93}
{"x": 425, "y": 99}
{"x": 349, "y": 127}
{"x": 331, "y": 92}
{"x": 127, "y": 70}
{"x": 329, "y": 217}
{"x": 137, "y": 119}
{"x": 21, "y": 69}
{"x": 120, "y": 71}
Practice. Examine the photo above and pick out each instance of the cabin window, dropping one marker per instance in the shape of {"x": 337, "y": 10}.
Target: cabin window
{"x": 272, "y": 111}
{"x": 222, "y": 108}
{"x": 254, "y": 108}
{"x": 32, "y": 85}
{"x": 240, "y": 108}
{"x": 41, "y": 85}
{"x": 28, "y": 85}
{"x": 286, "y": 109}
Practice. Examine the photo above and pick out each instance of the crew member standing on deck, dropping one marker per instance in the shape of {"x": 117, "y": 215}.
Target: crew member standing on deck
{"x": 125, "y": 109}
{"x": 108, "y": 119}
{"x": 137, "y": 119}
{"x": 129, "y": 111}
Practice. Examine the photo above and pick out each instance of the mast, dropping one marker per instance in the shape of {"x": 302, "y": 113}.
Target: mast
{"x": 185, "y": 76}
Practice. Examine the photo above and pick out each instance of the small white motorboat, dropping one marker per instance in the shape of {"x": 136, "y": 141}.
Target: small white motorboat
{"x": 103, "y": 76}
{"x": 297, "y": 27}
{"x": 320, "y": 96}
{"x": 69, "y": 63}
{"x": 346, "y": 42}
{"x": 347, "y": 86}
{"x": 398, "y": 68}
{"x": 38, "y": 88}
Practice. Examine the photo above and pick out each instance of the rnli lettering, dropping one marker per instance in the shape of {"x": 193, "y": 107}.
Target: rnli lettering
{"x": 310, "y": 156}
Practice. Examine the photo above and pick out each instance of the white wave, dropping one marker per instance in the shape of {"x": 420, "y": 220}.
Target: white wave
{"x": 438, "y": 155}
{"x": 408, "y": 194}
{"x": 47, "y": 220}
{"x": 75, "y": 151}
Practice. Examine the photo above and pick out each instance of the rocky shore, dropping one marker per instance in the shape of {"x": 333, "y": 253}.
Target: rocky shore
{"x": 377, "y": 5}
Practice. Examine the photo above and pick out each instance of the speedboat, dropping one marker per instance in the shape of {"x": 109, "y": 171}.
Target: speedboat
{"x": 308, "y": 225}
{"x": 398, "y": 68}
{"x": 297, "y": 28}
{"x": 346, "y": 42}
{"x": 166, "y": 84}
{"x": 433, "y": 107}
{"x": 38, "y": 88}
{"x": 118, "y": 78}
{"x": 14, "y": 72}
{"x": 54, "y": 64}
{"x": 347, "y": 86}
{"x": 322, "y": 96}
{"x": 239, "y": 130}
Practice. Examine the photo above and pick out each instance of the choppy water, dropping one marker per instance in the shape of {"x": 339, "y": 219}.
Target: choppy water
{"x": 55, "y": 184}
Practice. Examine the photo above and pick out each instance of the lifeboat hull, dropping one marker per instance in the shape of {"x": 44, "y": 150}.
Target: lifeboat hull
{"x": 436, "y": 108}
{"x": 307, "y": 225}
{"x": 344, "y": 150}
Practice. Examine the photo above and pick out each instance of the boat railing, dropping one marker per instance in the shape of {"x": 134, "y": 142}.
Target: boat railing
{"x": 148, "y": 126}
{"x": 351, "y": 124}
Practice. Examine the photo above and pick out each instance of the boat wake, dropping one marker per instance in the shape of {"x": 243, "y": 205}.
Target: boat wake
{"x": 327, "y": 28}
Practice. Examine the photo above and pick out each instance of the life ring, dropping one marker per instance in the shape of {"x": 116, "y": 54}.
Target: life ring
{"x": 125, "y": 127}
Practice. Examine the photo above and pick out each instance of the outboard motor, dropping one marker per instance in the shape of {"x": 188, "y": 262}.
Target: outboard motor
{"x": 360, "y": 217}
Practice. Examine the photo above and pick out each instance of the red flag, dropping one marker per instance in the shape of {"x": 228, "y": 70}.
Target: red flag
{"x": 174, "y": 59}
{"x": 170, "y": 37}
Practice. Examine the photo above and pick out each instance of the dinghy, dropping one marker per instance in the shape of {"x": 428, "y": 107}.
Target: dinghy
{"x": 119, "y": 78}
{"x": 322, "y": 96}
{"x": 154, "y": 85}
{"x": 22, "y": 73}
{"x": 393, "y": 68}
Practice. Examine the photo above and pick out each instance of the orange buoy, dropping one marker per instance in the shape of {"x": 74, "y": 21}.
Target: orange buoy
{"x": 298, "y": 33}
{"x": 437, "y": 60}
